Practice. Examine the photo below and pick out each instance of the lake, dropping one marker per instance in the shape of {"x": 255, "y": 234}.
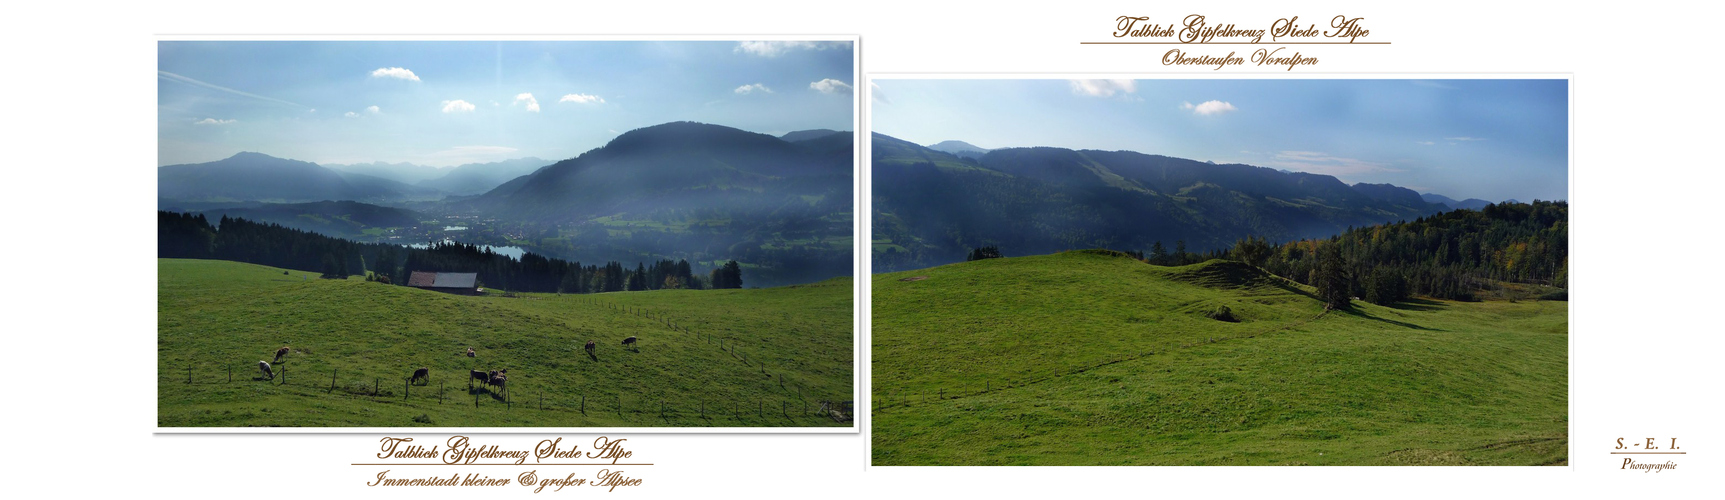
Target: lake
{"x": 512, "y": 252}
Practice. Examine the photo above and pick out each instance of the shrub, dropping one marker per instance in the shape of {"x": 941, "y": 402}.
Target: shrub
{"x": 1562, "y": 295}
{"x": 423, "y": 418}
{"x": 988, "y": 252}
{"x": 1222, "y": 313}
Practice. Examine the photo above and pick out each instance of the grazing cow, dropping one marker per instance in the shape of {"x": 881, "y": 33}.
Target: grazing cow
{"x": 264, "y": 366}
{"x": 421, "y": 373}
{"x": 631, "y": 341}
{"x": 590, "y": 347}
{"x": 473, "y": 375}
{"x": 470, "y": 352}
{"x": 499, "y": 381}
{"x": 281, "y": 352}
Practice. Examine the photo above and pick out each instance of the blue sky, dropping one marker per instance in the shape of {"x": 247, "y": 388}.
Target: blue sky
{"x": 449, "y": 103}
{"x": 1488, "y": 139}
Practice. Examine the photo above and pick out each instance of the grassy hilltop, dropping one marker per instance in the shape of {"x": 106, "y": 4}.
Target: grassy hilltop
{"x": 215, "y": 315}
{"x": 1092, "y": 358}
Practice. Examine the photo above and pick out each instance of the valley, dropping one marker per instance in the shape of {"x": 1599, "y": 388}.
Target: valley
{"x": 682, "y": 191}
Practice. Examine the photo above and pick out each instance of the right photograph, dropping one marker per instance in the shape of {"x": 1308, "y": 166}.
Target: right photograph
{"x": 1220, "y": 271}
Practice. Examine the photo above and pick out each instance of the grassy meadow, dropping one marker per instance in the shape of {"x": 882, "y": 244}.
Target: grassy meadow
{"x": 1088, "y": 358}
{"x": 355, "y": 343}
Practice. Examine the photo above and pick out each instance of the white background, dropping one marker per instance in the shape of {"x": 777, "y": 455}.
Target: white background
{"x": 79, "y": 96}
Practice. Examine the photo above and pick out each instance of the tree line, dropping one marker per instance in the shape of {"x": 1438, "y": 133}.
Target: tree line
{"x": 1449, "y": 255}
{"x": 191, "y": 236}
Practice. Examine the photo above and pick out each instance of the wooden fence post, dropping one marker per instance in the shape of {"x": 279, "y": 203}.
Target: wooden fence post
{"x": 284, "y": 374}
{"x": 376, "y": 386}
{"x": 583, "y": 404}
{"x": 332, "y": 380}
{"x": 188, "y": 374}
{"x": 405, "y": 384}
{"x": 230, "y": 374}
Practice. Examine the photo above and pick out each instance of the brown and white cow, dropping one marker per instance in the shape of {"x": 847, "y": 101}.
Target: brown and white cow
{"x": 282, "y": 352}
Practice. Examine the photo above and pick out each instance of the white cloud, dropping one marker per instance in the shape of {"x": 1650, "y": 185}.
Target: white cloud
{"x": 1103, "y": 88}
{"x": 532, "y": 104}
{"x": 582, "y": 99}
{"x": 1209, "y": 107}
{"x": 1463, "y": 139}
{"x": 831, "y": 86}
{"x": 457, "y": 106}
{"x": 402, "y": 73}
{"x": 776, "y": 48}
{"x": 370, "y": 110}
{"x": 1424, "y": 143}
{"x": 1321, "y": 163}
{"x": 752, "y": 88}
{"x": 877, "y": 95}
{"x": 213, "y": 121}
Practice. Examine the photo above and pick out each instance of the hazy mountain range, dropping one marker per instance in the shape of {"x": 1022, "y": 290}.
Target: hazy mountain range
{"x": 1470, "y": 203}
{"x": 932, "y": 206}
{"x": 681, "y": 166}
{"x": 680, "y": 190}
{"x": 462, "y": 180}
{"x": 960, "y": 149}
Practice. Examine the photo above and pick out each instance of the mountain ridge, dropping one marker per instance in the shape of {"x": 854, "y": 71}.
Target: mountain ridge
{"x": 932, "y": 206}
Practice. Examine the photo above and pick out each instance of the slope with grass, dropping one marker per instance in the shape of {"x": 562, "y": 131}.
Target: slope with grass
{"x": 1094, "y": 358}
{"x": 355, "y": 342}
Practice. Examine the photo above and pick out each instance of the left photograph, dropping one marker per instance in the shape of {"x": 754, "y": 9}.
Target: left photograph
{"x": 378, "y": 234}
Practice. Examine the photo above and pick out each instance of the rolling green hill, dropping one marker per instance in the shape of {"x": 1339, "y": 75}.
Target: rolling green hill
{"x": 214, "y": 316}
{"x": 1093, "y": 358}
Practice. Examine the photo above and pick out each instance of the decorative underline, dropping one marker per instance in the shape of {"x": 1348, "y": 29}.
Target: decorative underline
{"x": 518, "y": 465}
{"x": 1649, "y": 453}
{"x": 1233, "y": 43}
